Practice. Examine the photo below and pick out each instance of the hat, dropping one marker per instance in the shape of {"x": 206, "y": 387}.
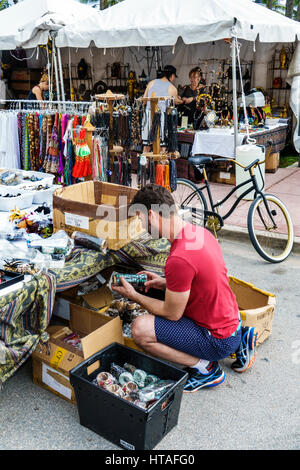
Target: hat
{"x": 169, "y": 69}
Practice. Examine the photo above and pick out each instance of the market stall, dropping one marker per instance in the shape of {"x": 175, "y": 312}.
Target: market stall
{"x": 58, "y": 160}
{"x": 127, "y": 25}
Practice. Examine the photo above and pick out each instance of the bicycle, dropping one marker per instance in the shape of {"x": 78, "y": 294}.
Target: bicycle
{"x": 269, "y": 223}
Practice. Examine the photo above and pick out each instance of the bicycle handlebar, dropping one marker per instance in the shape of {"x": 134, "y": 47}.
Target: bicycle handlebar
{"x": 232, "y": 160}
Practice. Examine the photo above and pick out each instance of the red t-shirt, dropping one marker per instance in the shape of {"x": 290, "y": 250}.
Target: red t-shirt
{"x": 196, "y": 263}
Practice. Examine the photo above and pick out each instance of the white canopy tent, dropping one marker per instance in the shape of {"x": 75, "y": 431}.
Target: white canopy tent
{"x": 162, "y": 22}
{"x": 27, "y": 24}
{"x": 32, "y": 22}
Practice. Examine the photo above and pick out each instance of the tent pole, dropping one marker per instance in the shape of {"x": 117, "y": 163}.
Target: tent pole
{"x": 56, "y": 70}
{"x": 234, "y": 91}
{"x": 61, "y": 75}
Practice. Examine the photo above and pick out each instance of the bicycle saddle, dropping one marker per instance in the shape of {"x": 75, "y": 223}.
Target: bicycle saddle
{"x": 200, "y": 160}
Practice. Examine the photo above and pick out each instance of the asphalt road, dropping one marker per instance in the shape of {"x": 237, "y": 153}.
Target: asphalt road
{"x": 259, "y": 409}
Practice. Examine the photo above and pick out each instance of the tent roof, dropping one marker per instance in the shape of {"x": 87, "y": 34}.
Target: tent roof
{"x": 162, "y": 22}
{"x": 28, "y": 23}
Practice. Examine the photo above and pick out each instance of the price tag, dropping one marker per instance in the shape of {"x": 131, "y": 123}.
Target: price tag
{"x": 224, "y": 175}
{"x": 77, "y": 221}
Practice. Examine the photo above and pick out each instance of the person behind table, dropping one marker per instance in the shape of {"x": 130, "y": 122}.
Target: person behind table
{"x": 198, "y": 323}
{"x": 163, "y": 87}
{"x": 190, "y": 93}
{"x": 37, "y": 92}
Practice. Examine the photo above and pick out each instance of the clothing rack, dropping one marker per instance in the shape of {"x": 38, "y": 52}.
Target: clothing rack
{"x": 81, "y": 107}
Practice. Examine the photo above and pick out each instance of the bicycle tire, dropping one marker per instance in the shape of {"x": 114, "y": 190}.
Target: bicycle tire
{"x": 272, "y": 246}
{"x": 198, "y": 199}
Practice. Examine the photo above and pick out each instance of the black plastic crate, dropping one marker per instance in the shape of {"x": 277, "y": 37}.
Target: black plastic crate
{"x": 118, "y": 420}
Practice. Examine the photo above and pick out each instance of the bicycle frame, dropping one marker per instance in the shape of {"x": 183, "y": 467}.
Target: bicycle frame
{"x": 213, "y": 206}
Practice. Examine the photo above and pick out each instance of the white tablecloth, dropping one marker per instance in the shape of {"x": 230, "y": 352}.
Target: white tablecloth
{"x": 215, "y": 143}
{"x": 221, "y": 142}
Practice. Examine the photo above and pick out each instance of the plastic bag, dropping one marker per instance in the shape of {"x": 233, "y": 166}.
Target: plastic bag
{"x": 58, "y": 244}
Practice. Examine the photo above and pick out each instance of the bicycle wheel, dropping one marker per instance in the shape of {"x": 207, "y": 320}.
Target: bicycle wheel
{"x": 190, "y": 201}
{"x": 274, "y": 242}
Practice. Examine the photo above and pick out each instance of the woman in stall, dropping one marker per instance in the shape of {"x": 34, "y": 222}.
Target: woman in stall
{"x": 37, "y": 92}
{"x": 190, "y": 93}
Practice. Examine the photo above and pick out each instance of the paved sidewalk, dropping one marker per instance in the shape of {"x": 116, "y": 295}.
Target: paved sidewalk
{"x": 285, "y": 184}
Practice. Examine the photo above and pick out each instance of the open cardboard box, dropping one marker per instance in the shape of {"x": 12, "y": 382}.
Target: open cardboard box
{"x": 99, "y": 209}
{"x": 53, "y": 361}
{"x": 256, "y": 306}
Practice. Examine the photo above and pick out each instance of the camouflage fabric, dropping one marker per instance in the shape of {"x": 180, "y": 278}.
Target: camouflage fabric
{"x": 24, "y": 317}
{"x": 26, "y": 313}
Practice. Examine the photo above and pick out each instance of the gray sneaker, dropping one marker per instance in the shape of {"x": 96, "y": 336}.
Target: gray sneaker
{"x": 246, "y": 353}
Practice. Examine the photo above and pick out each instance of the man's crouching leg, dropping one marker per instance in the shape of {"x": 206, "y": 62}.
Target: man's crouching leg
{"x": 143, "y": 334}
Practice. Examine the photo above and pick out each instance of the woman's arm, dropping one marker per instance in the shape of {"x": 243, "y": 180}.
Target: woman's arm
{"x": 38, "y": 93}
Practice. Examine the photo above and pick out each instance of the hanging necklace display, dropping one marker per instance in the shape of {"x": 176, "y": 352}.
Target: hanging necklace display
{"x": 172, "y": 123}
{"x": 143, "y": 163}
{"x": 173, "y": 176}
{"x": 136, "y": 126}
{"x": 163, "y": 128}
{"x": 155, "y": 127}
{"x": 152, "y": 171}
{"x": 110, "y": 98}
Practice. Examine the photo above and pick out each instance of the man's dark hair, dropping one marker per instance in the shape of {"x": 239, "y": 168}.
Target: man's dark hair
{"x": 151, "y": 195}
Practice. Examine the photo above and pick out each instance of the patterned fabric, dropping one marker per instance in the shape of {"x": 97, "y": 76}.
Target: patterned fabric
{"x": 24, "y": 317}
{"x": 185, "y": 335}
{"x": 82, "y": 265}
{"x": 145, "y": 253}
{"x": 26, "y": 313}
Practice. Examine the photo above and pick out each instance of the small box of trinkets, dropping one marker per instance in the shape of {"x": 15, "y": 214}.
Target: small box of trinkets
{"x": 130, "y": 398}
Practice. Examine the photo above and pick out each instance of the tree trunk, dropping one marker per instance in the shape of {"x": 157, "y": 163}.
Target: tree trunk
{"x": 289, "y": 8}
{"x": 269, "y": 4}
{"x": 298, "y": 12}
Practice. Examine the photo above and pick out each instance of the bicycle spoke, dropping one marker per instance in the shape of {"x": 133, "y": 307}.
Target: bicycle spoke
{"x": 271, "y": 235}
{"x": 189, "y": 202}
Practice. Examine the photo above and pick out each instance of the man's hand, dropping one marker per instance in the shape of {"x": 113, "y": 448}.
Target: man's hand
{"x": 154, "y": 281}
{"x": 126, "y": 290}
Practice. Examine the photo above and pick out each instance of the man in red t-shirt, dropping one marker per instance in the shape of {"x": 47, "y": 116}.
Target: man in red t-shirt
{"x": 198, "y": 322}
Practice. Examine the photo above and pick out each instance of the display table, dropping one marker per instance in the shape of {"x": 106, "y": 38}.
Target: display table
{"x": 213, "y": 143}
{"x": 218, "y": 144}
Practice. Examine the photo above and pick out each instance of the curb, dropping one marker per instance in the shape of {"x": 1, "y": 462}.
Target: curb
{"x": 241, "y": 234}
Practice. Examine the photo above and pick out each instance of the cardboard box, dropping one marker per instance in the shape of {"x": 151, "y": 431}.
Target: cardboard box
{"x": 223, "y": 177}
{"x": 272, "y": 162}
{"x": 101, "y": 300}
{"x": 100, "y": 209}
{"x": 52, "y": 362}
{"x": 256, "y": 306}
